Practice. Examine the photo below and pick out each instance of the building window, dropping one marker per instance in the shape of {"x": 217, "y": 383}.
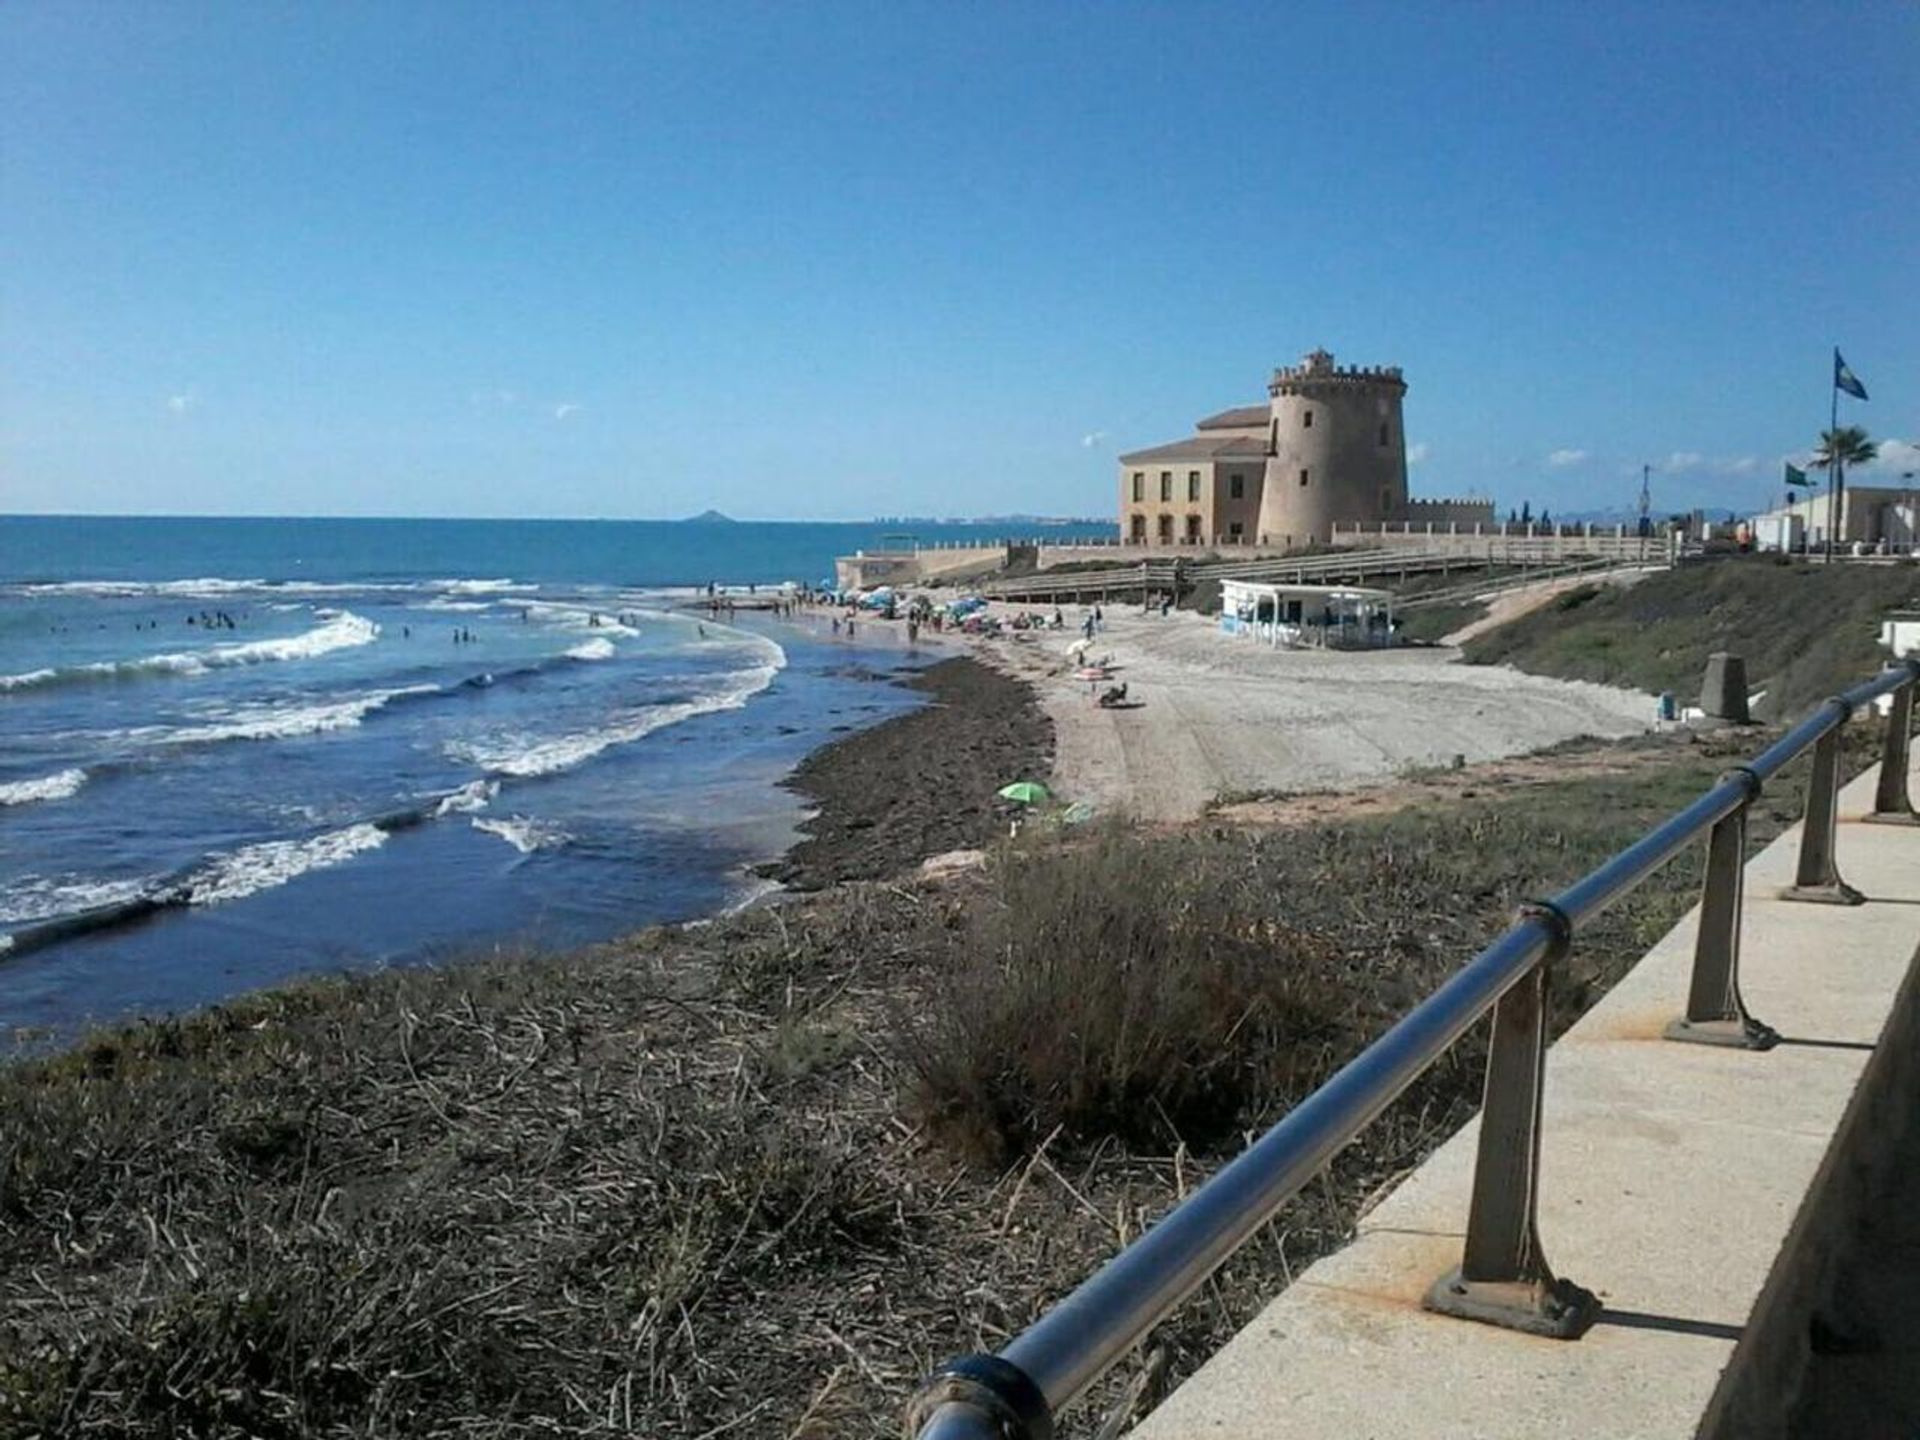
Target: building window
{"x": 1234, "y": 529}
{"x": 1139, "y": 486}
{"x": 1140, "y": 527}
{"x": 1237, "y": 486}
{"x": 1273, "y": 436}
{"x": 1166, "y": 528}
{"x": 1307, "y": 420}
{"x": 1193, "y": 527}
{"x": 1166, "y": 486}
{"x": 1303, "y": 477}
{"x": 1383, "y": 434}
{"x": 1193, "y": 485}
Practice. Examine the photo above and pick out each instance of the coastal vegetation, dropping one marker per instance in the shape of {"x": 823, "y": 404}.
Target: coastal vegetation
{"x": 755, "y": 1176}
{"x": 1805, "y": 630}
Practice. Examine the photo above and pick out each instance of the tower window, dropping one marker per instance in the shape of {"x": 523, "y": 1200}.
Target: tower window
{"x": 1307, "y": 420}
{"x": 1383, "y": 434}
{"x": 1166, "y": 485}
{"x": 1193, "y": 485}
{"x": 1237, "y": 487}
{"x": 1139, "y": 486}
{"x": 1303, "y": 477}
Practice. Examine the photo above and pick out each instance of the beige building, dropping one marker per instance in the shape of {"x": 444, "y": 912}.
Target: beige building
{"x": 1868, "y": 513}
{"x": 1327, "y": 448}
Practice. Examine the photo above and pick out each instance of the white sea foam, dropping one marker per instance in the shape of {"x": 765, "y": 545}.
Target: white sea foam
{"x": 522, "y": 755}
{"x": 524, "y": 834}
{"x": 342, "y": 631}
{"x": 482, "y": 587}
{"x": 577, "y": 617}
{"x": 462, "y": 607}
{"x": 37, "y": 897}
{"x": 278, "y": 722}
{"x": 253, "y": 868}
{"x": 475, "y": 795}
{"x": 48, "y": 787}
{"x": 598, "y": 648}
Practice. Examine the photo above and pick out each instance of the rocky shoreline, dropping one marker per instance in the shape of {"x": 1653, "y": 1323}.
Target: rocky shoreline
{"x": 919, "y": 784}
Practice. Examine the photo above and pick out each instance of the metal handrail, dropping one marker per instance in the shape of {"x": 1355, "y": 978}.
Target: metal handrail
{"x": 1503, "y": 1277}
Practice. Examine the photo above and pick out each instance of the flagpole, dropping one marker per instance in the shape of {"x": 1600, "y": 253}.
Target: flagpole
{"x": 1833, "y": 436}
{"x": 1833, "y": 511}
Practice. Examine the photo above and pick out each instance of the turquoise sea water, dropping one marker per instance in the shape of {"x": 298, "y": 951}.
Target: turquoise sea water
{"x": 249, "y": 749}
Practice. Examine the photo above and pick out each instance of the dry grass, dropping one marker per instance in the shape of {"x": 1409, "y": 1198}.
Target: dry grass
{"x": 687, "y": 1186}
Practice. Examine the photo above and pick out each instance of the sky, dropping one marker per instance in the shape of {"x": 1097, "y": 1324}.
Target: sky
{"x": 838, "y": 260}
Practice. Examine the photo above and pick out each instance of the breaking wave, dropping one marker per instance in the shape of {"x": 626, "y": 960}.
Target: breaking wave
{"x": 525, "y": 835}
{"x": 48, "y": 787}
{"x": 598, "y": 648}
{"x": 523, "y": 756}
{"x": 284, "y": 722}
{"x": 475, "y": 795}
{"x": 36, "y": 898}
{"x": 274, "y": 862}
{"x": 341, "y": 631}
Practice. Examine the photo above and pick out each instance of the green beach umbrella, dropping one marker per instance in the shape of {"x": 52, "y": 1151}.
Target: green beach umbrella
{"x": 1025, "y": 792}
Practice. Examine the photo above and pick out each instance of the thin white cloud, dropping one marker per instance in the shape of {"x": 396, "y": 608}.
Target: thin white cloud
{"x": 1737, "y": 464}
{"x": 1680, "y": 461}
{"x": 1561, "y": 459}
{"x": 1895, "y": 456}
{"x": 566, "y": 408}
{"x": 180, "y": 404}
{"x": 1417, "y": 453}
{"x": 1093, "y": 439}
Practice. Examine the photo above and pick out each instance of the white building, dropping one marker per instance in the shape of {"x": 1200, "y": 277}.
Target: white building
{"x": 1348, "y": 617}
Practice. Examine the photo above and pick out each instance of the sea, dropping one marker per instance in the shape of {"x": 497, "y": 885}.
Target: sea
{"x": 242, "y": 750}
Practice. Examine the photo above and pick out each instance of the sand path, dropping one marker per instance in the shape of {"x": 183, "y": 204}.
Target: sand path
{"x": 1218, "y": 714}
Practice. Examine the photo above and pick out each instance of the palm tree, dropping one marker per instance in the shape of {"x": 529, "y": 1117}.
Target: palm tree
{"x": 1848, "y": 444}
{"x": 1838, "y": 448}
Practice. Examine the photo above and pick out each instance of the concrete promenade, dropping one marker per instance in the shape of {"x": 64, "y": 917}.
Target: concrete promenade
{"x": 1701, "y": 1192}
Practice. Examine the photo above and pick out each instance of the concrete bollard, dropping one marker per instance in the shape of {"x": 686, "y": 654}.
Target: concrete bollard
{"x": 1723, "y": 694}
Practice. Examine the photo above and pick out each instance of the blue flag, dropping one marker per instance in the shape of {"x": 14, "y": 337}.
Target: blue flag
{"x": 1845, "y": 379}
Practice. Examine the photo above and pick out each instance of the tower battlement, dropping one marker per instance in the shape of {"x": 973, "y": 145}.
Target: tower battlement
{"x": 1317, "y": 374}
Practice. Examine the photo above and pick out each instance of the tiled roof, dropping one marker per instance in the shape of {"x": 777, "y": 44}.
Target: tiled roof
{"x": 1242, "y": 418}
{"x": 1203, "y": 447}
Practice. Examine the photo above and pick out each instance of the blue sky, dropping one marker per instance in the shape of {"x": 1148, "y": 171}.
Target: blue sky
{"x": 837, "y": 260}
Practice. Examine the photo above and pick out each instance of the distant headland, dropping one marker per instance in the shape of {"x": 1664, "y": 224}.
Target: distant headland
{"x": 709, "y": 517}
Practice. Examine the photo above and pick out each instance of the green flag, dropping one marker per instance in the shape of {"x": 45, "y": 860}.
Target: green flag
{"x": 1797, "y": 476}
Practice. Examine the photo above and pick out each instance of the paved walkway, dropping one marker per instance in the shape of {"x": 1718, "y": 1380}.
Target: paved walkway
{"x": 1672, "y": 1179}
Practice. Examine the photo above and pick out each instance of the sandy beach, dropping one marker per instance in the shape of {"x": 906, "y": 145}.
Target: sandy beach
{"x": 1212, "y": 714}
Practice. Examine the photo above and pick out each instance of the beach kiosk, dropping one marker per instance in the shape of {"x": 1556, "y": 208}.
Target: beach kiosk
{"x": 1342, "y": 617}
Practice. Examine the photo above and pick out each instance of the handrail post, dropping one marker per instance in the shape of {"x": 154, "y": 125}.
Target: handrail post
{"x": 1817, "y": 876}
{"x": 1503, "y": 1277}
{"x": 1892, "y": 804}
{"x": 1716, "y": 1014}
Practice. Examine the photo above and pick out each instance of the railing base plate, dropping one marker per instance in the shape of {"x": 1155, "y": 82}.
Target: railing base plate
{"x": 1891, "y": 817}
{"x": 1556, "y": 1309}
{"x": 1748, "y": 1034}
{"x": 1838, "y": 893}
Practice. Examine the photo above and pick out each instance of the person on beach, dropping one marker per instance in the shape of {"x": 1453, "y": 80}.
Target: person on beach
{"x": 836, "y": 624}
{"x": 1099, "y": 620}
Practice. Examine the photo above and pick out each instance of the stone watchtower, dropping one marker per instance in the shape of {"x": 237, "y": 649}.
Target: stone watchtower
{"x": 1336, "y": 450}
